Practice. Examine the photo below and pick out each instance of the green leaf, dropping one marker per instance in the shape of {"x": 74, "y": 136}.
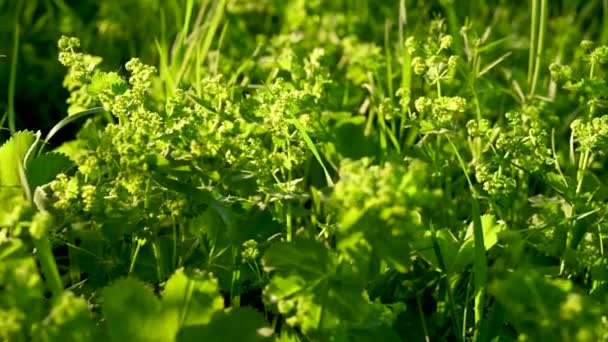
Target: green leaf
{"x": 133, "y": 313}
{"x": 490, "y": 228}
{"x": 22, "y": 289}
{"x": 72, "y": 149}
{"x": 46, "y": 167}
{"x": 448, "y": 246}
{"x": 11, "y": 248}
{"x": 303, "y": 257}
{"x": 309, "y": 281}
{"x": 104, "y": 81}
{"x": 288, "y": 335}
{"x": 14, "y": 207}
{"x": 283, "y": 287}
{"x": 373, "y": 334}
{"x": 351, "y": 140}
{"x": 548, "y": 309}
{"x": 192, "y": 299}
{"x": 241, "y": 324}
{"x": 201, "y": 195}
{"x": 466, "y": 254}
{"x": 69, "y": 320}
{"x": 13, "y": 153}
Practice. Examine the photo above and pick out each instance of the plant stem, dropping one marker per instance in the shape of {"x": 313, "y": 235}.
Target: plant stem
{"x": 289, "y": 224}
{"x": 159, "y": 262}
{"x": 452, "y": 24}
{"x": 388, "y": 56}
{"x": 438, "y": 89}
{"x": 540, "y": 46}
{"x": 288, "y": 204}
{"x": 12, "y": 81}
{"x": 175, "y": 240}
{"x": 582, "y": 167}
{"x": 134, "y": 256}
{"x": 422, "y": 319}
{"x": 48, "y": 265}
{"x": 480, "y": 265}
{"x": 605, "y": 21}
{"x": 446, "y": 283}
{"x": 532, "y": 48}
{"x": 235, "y": 299}
{"x": 73, "y": 270}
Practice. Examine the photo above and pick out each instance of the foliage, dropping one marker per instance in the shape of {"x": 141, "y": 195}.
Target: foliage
{"x": 315, "y": 171}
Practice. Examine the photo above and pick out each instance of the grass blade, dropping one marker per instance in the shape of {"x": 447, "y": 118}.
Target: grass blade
{"x": 68, "y": 120}
{"x": 313, "y": 149}
{"x": 480, "y": 264}
{"x": 12, "y": 82}
{"x": 493, "y": 64}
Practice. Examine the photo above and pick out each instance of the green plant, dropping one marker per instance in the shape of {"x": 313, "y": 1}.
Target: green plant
{"x": 337, "y": 171}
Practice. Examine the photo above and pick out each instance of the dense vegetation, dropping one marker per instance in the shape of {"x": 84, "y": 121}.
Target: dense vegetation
{"x": 291, "y": 170}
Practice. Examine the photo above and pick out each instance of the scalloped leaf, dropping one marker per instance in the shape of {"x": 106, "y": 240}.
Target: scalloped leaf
{"x": 133, "y": 313}
{"x": 46, "y": 167}
{"x": 240, "y": 324}
{"x": 68, "y": 320}
{"x": 192, "y": 299}
{"x": 308, "y": 279}
{"x": 13, "y": 152}
{"x": 73, "y": 149}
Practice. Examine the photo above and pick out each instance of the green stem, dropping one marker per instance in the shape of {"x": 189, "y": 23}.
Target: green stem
{"x": 235, "y": 299}
{"x": 582, "y": 167}
{"x": 463, "y": 167}
{"x": 446, "y": 283}
{"x": 540, "y": 46}
{"x": 49, "y": 266}
{"x": 580, "y": 177}
{"x": 157, "y": 256}
{"x": 422, "y": 319}
{"x": 532, "y": 48}
{"x": 599, "y": 234}
{"x": 388, "y": 55}
{"x": 466, "y": 309}
{"x": 134, "y": 256}
{"x": 605, "y": 21}
{"x": 175, "y": 240}
{"x": 480, "y": 265}
{"x": 12, "y": 81}
{"x": 406, "y": 69}
{"x": 406, "y": 65}
{"x": 73, "y": 270}
{"x": 438, "y": 89}
{"x": 288, "y": 204}
{"x": 289, "y": 224}
{"x": 453, "y": 24}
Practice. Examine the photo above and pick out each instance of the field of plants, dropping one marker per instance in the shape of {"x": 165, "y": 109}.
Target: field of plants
{"x": 303, "y": 170}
